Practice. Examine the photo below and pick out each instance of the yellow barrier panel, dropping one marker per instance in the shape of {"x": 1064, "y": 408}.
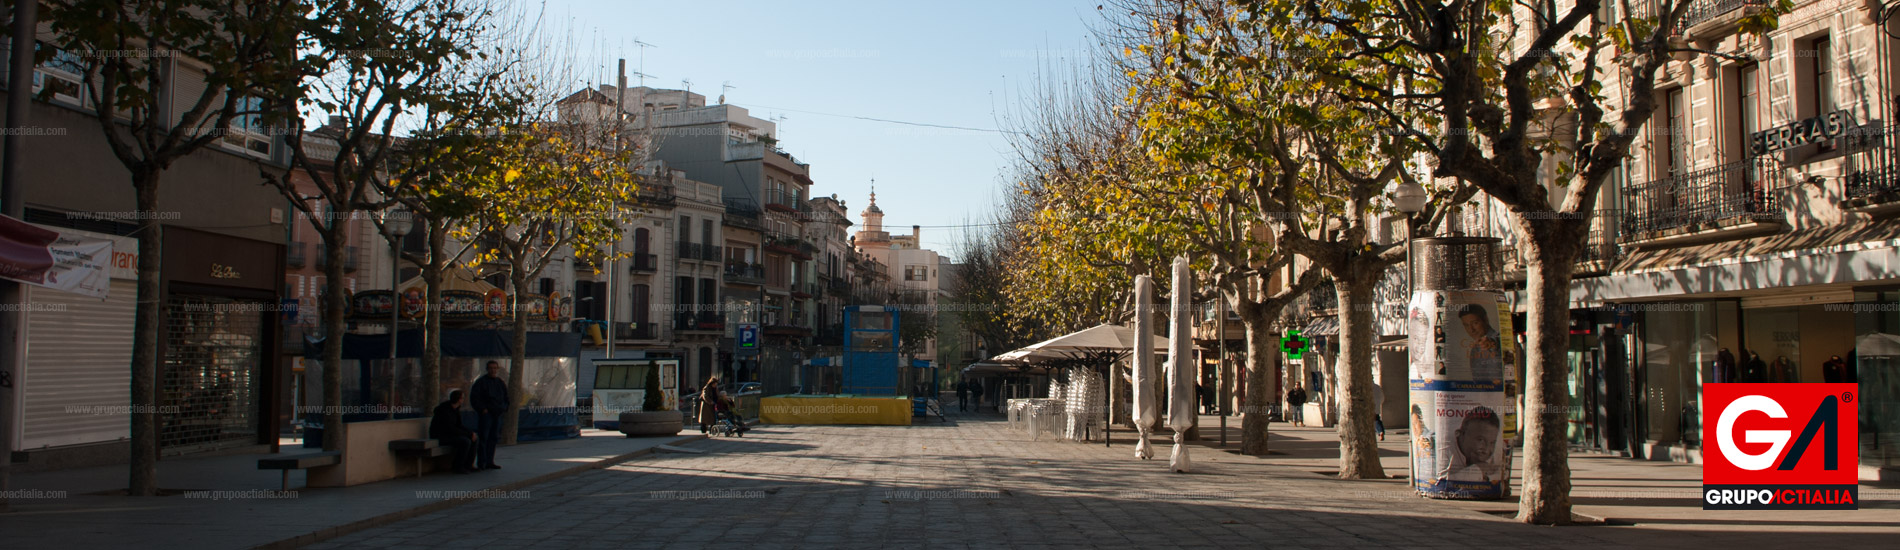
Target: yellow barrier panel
{"x": 887, "y": 411}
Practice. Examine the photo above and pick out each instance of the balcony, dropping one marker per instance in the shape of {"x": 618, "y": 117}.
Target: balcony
{"x": 743, "y": 273}
{"x": 742, "y": 213}
{"x": 695, "y": 251}
{"x": 704, "y": 320}
{"x": 655, "y": 195}
{"x": 838, "y": 286}
{"x": 793, "y": 330}
{"x": 1875, "y": 188}
{"x": 1600, "y": 252}
{"x": 1726, "y": 201}
{"x": 1710, "y": 19}
{"x": 294, "y": 254}
{"x": 780, "y": 200}
{"x": 804, "y": 290}
{"x": 636, "y": 331}
{"x": 712, "y": 253}
{"x": 645, "y": 263}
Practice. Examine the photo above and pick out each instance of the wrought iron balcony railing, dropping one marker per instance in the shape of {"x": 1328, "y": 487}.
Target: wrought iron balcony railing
{"x": 745, "y": 273}
{"x": 1732, "y": 192}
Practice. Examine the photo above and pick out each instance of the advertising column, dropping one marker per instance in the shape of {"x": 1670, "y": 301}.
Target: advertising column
{"x": 1463, "y": 416}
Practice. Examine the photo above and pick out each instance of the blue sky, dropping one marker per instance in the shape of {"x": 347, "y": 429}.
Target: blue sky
{"x": 961, "y": 63}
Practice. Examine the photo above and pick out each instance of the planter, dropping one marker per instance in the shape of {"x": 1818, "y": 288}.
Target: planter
{"x": 651, "y": 423}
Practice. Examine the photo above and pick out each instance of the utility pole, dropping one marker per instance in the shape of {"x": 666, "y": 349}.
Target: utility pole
{"x": 613, "y": 247}
{"x": 25, "y": 14}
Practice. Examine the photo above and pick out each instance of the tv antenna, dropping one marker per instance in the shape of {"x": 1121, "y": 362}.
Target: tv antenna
{"x": 643, "y": 60}
{"x": 727, "y": 85}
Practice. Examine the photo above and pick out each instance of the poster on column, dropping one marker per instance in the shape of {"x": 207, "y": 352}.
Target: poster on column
{"x": 1464, "y": 420}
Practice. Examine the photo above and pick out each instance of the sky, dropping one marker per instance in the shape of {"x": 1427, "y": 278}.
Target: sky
{"x": 963, "y": 64}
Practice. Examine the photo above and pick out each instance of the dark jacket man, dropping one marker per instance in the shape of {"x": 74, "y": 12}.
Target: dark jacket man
{"x": 447, "y": 429}
{"x": 491, "y": 402}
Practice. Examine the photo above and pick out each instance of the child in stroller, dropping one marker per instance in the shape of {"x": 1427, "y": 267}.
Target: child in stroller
{"x": 729, "y": 423}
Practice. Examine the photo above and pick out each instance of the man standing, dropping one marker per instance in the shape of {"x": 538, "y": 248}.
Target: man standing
{"x": 1296, "y": 405}
{"x": 976, "y": 395}
{"x": 490, "y": 396}
{"x": 446, "y": 428}
{"x": 963, "y": 396}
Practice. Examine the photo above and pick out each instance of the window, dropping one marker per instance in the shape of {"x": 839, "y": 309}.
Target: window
{"x": 1676, "y": 155}
{"x": 916, "y": 273}
{"x": 247, "y": 131}
{"x": 1823, "y": 82}
{"x": 60, "y": 76}
{"x": 1748, "y": 103}
{"x": 706, "y": 232}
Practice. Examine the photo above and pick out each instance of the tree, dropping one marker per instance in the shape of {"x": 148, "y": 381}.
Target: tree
{"x": 238, "y": 46}
{"x": 655, "y": 399}
{"x": 1490, "y": 92}
{"x": 555, "y": 186}
{"x": 367, "y": 65}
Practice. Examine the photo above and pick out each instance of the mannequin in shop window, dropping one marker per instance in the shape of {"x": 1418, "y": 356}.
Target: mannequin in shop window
{"x": 1755, "y": 370}
{"x": 1783, "y": 370}
{"x": 1724, "y": 367}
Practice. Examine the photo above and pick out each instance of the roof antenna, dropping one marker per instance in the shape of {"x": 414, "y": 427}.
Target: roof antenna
{"x": 727, "y": 85}
{"x": 643, "y": 60}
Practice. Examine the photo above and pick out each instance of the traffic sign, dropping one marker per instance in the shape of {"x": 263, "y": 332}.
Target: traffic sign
{"x": 748, "y": 335}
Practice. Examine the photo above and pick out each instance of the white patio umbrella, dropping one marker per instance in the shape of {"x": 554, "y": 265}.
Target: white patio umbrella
{"x": 1147, "y": 409}
{"x": 1181, "y": 371}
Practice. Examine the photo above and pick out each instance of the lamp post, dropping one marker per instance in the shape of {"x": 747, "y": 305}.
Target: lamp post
{"x": 1410, "y": 198}
{"x": 396, "y": 223}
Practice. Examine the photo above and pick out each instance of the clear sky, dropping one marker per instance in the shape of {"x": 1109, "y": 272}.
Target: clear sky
{"x": 961, "y": 63}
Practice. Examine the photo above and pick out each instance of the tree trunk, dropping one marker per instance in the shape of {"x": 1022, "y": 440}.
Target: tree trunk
{"x": 143, "y": 477}
{"x": 432, "y": 273}
{"x": 1261, "y": 385}
{"x": 335, "y": 300}
{"x": 511, "y": 422}
{"x": 1546, "y": 498}
{"x": 1358, "y": 444}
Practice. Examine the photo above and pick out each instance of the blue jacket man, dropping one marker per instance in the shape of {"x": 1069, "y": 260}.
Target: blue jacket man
{"x": 490, "y": 398}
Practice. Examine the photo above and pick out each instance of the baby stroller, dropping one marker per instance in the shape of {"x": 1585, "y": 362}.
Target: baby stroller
{"x": 728, "y": 422}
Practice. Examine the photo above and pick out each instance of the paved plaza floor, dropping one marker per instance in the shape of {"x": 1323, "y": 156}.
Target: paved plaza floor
{"x": 975, "y": 482}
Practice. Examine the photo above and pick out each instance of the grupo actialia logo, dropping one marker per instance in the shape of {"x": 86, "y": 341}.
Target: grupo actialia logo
{"x": 1780, "y": 447}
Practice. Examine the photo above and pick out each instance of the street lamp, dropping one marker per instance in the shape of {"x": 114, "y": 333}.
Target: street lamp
{"x": 1410, "y": 198}
{"x": 396, "y": 223}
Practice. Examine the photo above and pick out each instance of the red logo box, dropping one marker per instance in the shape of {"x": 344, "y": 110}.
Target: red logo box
{"x": 1780, "y": 446}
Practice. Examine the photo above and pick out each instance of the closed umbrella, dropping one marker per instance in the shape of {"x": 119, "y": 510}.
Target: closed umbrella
{"x": 1180, "y": 365}
{"x": 1147, "y": 409}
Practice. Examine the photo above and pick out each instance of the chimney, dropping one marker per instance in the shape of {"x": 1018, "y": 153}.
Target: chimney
{"x": 914, "y": 235}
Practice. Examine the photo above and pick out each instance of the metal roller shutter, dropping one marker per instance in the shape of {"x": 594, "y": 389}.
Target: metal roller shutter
{"x": 78, "y": 367}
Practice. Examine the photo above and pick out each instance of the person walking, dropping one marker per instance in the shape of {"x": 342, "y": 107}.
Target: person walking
{"x": 1296, "y": 405}
{"x": 709, "y": 400}
{"x": 976, "y": 396}
{"x": 490, "y": 398}
{"x": 963, "y": 396}
{"x": 446, "y": 428}
{"x": 1378, "y": 407}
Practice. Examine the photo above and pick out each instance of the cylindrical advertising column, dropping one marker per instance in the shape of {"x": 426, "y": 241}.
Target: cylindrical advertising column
{"x": 1463, "y": 412}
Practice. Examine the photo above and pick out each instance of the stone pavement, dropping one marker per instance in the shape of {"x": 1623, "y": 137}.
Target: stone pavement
{"x": 974, "y": 482}
{"x": 235, "y": 505}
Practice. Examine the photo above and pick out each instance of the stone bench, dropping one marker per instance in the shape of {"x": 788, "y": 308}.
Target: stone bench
{"x": 299, "y": 462}
{"x": 419, "y": 449}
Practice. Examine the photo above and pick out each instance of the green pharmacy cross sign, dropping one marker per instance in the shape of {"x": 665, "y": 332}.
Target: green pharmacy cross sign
{"x": 1292, "y": 344}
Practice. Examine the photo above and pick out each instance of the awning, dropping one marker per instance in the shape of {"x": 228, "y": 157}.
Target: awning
{"x": 825, "y": 361}
{"x": 919, "y": 363}
{"x": 1322, "y": 326}
{"x": 1395, "y": 344}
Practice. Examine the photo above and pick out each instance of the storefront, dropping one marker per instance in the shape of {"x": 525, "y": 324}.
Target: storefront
{"x": 218, "y": 368}
{"x": 74, "y": 383}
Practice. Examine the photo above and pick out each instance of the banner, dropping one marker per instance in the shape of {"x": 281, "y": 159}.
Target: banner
{"x": 1463, "y": 414}
{"x": 54, "y": 259}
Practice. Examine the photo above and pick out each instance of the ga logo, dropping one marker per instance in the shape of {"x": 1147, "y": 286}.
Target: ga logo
{"x": 1780, "y": 447}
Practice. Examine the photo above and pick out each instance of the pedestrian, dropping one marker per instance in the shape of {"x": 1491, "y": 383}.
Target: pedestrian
{"x": 447, "y": 429}
{"x": 709, "y": 400}
{"x": 976, "y": 396}
{"x": 1207, "y": 397}
{"x": 1378, "y": 406}
{"x": 963, "y": 396}
{"x": 490, "y": 397}
{"x": 1296, "y": 404}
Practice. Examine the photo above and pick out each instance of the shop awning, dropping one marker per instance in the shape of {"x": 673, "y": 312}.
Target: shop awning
{"x": 1323, "y": 326}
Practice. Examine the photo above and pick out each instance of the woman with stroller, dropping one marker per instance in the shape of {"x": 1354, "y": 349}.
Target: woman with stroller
{"x": 710, "y": 401}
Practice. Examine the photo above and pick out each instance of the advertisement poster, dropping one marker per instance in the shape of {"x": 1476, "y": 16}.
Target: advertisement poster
{"x": 54, "y": 259}
{"x": 1464, "y": 419}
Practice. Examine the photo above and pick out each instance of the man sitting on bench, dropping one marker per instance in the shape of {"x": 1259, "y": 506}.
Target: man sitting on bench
{"x": 447, "y": 428}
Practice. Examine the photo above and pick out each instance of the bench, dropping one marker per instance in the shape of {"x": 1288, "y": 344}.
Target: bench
{"x": 419, "y": 449}
{"x": 299, "y": 462}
